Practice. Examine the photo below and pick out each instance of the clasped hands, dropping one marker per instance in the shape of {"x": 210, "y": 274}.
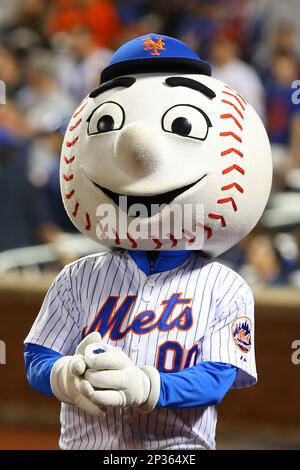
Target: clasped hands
{"x": 94, "y": 382}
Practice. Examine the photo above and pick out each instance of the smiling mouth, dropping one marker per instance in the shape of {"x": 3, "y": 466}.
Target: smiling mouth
{"x": 152, "y": 203}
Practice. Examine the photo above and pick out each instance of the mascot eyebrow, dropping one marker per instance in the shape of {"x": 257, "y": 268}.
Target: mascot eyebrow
{"x": 125, "y": 82}
{"x": 190, "y": 83}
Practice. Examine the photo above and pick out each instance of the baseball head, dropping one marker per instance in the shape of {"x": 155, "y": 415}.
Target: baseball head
{"x": 150, "y": 144}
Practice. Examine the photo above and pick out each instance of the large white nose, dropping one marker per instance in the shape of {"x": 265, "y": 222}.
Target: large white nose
{"x": 138, "y": 150}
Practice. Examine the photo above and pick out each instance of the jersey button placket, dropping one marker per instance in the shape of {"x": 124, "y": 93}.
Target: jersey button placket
{"x": 148, "y": 288}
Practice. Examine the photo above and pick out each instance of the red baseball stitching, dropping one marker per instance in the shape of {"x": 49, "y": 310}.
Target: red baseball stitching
{"x": 79, "y": 111}
{"x": 225, "y": 200}
{"x": 132, "y": 241}
{"x": 192, "y": 237}
{"x": 173, "y": 240}
{"x": 233, "y": 167}
{"x": 232, "y": 134}
{"x": 69, "y": 160}
{"x": 233, "y": 185}
{"x": 236, "y": 98}
{"x": 71, "y": 128}
{"x": 88, "y": 221}
{"x": 240, "y": 96}
{"x": 217, "y": 217}
{"x": 232, "y": 149}
{"x": 72, "y": 142}
{"x": 230, "y": 116}
{"x": 70, "y": 194}
{"x": 117, "y": 238}
{"x": 234, "y": 107}
{"x": 68, "y": 177}
{"x": 229, "y": 151}
{"x": 208, "y": 230}
{"x": 74, "y": 213}
{"x": 157, "y": 242}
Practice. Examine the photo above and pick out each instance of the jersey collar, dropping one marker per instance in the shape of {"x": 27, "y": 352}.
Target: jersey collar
{"x": 165, "y": 261}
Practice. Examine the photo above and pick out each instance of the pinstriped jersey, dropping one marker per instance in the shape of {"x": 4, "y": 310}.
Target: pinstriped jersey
{"x": 198, "y": 311}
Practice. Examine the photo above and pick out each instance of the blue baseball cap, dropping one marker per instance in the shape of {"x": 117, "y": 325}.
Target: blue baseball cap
{"x": 154, "y": 53}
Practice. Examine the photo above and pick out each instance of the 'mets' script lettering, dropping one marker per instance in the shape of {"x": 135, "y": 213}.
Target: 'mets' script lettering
{"x": 113, "y": 314}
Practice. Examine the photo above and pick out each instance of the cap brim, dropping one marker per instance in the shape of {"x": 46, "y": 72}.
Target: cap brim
{"x": 166, "y": 64}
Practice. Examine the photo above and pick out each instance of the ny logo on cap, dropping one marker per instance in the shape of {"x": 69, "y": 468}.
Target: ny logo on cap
{"x": 154, "y": 46}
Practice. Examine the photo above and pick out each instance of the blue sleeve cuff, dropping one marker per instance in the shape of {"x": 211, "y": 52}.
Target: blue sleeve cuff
{"x": 38, "y": 363}
{"x": 201, "y": 385}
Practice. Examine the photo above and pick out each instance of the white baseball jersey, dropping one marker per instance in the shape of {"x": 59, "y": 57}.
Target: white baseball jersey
{"x": 198, "y": 311}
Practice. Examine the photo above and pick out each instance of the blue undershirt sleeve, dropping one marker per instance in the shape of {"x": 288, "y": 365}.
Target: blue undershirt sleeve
{"x": 38, "y": 363}
{"x": 201, "y": 385}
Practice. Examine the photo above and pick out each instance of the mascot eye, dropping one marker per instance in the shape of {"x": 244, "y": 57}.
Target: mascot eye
{"x": 187, "y": 121}
{"x": 107, "y": 117}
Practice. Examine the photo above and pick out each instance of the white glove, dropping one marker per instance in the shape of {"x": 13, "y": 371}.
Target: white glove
{"x": 67, "y": 381}
{"x": 100, "y": 356}
{"x": 119, "y": 382}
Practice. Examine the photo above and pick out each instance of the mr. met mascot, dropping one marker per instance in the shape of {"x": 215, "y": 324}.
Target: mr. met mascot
{"x": 168, "y": 168}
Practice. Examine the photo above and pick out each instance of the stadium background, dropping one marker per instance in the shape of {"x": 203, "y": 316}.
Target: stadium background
{"x": 51, "y": 55}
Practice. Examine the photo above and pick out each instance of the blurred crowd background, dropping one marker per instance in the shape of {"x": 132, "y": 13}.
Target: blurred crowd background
{"x": 51, "y": 56}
